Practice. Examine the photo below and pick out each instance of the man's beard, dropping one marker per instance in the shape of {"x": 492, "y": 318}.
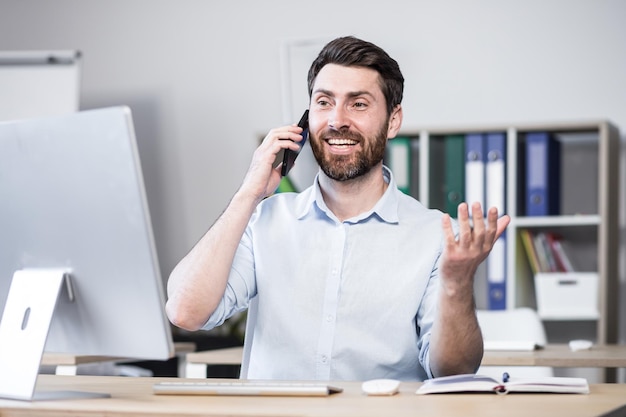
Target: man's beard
{"x": 348, "y": 167}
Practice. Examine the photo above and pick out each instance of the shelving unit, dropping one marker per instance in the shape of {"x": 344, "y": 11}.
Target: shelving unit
{"x": 588, "y": 218}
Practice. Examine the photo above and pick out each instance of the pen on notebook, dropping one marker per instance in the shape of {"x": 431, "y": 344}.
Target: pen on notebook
{"x": 505, "y": 377}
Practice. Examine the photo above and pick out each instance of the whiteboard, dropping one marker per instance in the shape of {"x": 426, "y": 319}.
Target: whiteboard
{"x": 39, "y": 83}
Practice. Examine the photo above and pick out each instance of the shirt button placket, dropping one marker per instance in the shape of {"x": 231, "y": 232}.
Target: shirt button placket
{"x": 330, "y": 306}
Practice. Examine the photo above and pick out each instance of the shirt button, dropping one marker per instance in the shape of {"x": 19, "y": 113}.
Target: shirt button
{"x": 324, "y": 358}
{"x": 329, "y": 318}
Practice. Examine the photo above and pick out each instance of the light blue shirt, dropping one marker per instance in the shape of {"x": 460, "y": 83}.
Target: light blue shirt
{"x": 332, "y": 300}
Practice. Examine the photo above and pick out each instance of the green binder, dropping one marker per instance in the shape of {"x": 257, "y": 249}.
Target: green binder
{"x": 454, "y": 176}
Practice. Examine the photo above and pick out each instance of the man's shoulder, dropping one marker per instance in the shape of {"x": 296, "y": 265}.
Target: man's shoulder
{"x": 409, "y": 206}
{"x": 292, "y": 202}
{"x": 289, "y": 197}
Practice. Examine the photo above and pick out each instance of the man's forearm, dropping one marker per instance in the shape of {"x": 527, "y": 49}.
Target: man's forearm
{"x": 456, "y": 345}
{"x": 198, "y": 282}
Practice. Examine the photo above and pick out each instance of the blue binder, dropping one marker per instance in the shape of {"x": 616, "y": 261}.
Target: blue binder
{"x": 496, "y": 275}
{"x": 475, "y": 157}
{"x": 495, "y": 196}
{"x": 543, "y": 174}
{"x": 496, "y": 172}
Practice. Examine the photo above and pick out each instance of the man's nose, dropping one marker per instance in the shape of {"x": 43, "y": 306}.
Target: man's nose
{"x": 339, "y": 118}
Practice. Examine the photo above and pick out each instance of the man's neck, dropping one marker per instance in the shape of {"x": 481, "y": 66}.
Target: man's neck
{"x": 347, "y": 199}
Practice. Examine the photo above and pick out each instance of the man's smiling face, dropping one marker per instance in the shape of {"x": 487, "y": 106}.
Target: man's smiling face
{"x": 348, "y": 121}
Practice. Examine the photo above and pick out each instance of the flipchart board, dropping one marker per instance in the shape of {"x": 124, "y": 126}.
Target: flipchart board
{"x": 39, "y": 83}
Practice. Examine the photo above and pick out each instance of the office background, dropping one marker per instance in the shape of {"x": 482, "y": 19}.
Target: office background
{"x": 203, "y": 78}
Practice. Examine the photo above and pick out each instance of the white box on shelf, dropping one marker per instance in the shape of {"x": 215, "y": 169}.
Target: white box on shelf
{"x": 567, "y": 295}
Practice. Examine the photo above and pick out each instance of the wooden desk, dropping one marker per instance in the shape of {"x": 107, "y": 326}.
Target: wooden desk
{"x": 556, "y": 356}
{"x": 197, "y": 362}
{"x": 561, "y": 356}
{"x": 133, "y": 397}
{"x": 66, "y": 364}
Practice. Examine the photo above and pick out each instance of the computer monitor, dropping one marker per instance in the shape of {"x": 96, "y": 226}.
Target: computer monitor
{"x": 73, "y": 209}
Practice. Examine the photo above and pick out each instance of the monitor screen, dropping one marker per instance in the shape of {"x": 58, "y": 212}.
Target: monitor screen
{"x": 73, "y": 199}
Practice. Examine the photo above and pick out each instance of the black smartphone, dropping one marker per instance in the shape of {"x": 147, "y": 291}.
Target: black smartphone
{"x": 287, "y": 156}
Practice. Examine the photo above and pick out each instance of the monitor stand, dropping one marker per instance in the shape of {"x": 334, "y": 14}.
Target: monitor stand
{"x": 24, "y": 329}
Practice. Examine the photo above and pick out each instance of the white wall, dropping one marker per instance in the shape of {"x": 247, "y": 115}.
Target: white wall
{"x": 203, "y": 77}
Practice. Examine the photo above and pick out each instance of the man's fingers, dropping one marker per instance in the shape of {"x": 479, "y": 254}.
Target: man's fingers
{"x": 465, "y": 229}
{"x": 448, "y": 232}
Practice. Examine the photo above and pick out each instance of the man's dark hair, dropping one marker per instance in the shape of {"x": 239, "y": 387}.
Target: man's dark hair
{"x": 350, "y": 51}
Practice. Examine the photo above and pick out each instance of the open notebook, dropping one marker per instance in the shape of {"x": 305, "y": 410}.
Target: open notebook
{"x": 485, "y": 384}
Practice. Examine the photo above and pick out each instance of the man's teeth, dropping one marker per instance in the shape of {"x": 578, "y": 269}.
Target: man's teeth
{"x": 341, "y": 142}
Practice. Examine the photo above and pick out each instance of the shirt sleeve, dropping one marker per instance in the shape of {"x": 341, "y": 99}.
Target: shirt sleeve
{"x": 241, "y": 285}
{"x": 426, "y": 317}
{"x": 428, "y": 308}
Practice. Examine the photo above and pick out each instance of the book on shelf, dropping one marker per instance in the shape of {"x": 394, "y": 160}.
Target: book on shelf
{"x": 471, "y": 383}
{"x": 529, "y": 248}
{"x": 563, "y": 261}
{"x": 541, "y": 254}
{"x": 545, "y": 252}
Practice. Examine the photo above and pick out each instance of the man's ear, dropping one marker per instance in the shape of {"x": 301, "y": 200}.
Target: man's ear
{"x": 395, "y": 122}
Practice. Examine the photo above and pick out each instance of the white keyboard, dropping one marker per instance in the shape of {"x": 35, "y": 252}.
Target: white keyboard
{"x": 238, "y": 387}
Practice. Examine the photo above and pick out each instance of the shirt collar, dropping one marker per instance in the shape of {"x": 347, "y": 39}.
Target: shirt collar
{"x": 310, "y": 201}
